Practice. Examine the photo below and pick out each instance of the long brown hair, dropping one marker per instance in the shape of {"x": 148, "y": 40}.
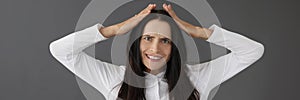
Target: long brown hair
{"x": 179, "y": 85}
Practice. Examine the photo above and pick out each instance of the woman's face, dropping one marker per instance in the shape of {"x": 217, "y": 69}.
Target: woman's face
{"x": 155, "y": 45}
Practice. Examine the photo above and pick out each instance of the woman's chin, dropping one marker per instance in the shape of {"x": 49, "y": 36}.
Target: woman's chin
{"x": 156, "y": 67}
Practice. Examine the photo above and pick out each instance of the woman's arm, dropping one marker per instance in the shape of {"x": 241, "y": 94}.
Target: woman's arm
{"x": 193, "y": 31}
{"x": 244, "y": 52}
{"x": 69, "y": 51}
{"x": 129, "y": 24}
{"x": 101, "y": 75}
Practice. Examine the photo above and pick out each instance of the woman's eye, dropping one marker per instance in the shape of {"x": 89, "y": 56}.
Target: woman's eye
{"x": 147, "y": 38}
{"x": 166, "y": 41}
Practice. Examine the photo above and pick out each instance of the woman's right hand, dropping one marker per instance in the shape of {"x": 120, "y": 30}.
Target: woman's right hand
{"x": 126, "y": 26}
{"x": 192, "y": 30}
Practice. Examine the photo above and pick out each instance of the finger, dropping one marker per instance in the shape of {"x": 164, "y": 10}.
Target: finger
{"x": 165, "y": 7}
{"x": 169, "y": 9}
{"x": 169, "y": 6}
{"x": 148, "y": 9}
{"x": 151, "y": 6}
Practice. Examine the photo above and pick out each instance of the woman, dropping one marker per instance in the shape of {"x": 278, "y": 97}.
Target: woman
{"x": 154, "y": 51}
{"x": 156, "y": 69}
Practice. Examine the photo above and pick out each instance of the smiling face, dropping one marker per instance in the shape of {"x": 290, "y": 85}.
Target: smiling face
{"x": 155, "y": 45}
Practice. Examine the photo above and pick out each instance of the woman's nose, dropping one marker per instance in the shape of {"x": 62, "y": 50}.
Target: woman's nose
{"x": 154, "y": 47}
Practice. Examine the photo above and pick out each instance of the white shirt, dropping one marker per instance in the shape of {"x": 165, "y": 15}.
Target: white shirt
{"x": 107, "y": 78}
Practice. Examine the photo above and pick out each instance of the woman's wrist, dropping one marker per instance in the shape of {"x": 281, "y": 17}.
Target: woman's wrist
{"x": 203, "y": 33}
{"x": 109, "y": 31}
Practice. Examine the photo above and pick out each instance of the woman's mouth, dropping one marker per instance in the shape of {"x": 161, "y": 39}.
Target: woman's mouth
{"x": 154, "y": 58}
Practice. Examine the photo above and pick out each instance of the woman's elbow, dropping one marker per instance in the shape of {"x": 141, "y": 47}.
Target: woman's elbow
{"x": 53, "y": 47}
{"x": 260, "y": 50}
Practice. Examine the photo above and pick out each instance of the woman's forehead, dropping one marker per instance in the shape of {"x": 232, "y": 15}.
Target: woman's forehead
{"x": 158, "y": 27}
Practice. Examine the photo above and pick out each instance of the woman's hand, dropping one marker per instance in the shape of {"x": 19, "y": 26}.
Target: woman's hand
{"x": 194, "y": 31}
{"x": 126, "y": 26}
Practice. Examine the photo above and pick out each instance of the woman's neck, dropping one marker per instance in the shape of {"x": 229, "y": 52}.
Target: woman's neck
{"x": 155, "y": 72}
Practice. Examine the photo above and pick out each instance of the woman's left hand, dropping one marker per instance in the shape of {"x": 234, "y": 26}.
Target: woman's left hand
{"x": 194, "y": 31}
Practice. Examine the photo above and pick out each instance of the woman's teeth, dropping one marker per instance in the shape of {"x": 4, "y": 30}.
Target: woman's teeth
{"x": 154, "y": 57}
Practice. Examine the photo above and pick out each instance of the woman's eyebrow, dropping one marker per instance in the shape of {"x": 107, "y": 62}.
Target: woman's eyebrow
{"x": 148, "y": 36}
{"x": 162, "y": 38}
{"x": 165, "y": 38}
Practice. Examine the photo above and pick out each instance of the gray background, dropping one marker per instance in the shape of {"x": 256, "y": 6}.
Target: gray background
{"x": 29, "y": 72}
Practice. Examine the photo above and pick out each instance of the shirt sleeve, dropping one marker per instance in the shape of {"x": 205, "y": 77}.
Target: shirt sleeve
{"x": 244, "y": 52}
{"x": 69, "y": 51}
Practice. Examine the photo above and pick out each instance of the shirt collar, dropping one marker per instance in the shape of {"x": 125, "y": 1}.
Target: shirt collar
{"x": 152, "y": 80}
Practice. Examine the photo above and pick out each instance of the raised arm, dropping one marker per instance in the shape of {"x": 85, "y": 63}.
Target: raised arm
{"x": 244, "y": 52}
{"x": 103, "y": 76}
{"x": 124, "y": 27}
{"x": 69, "y": 52}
